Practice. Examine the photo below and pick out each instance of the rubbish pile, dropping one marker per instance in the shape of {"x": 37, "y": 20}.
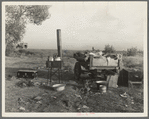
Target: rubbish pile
{"x": 128, "y": 98}
{"x": 105, "y": 59}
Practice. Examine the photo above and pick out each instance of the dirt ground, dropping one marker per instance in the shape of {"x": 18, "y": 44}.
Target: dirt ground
{"x": 41, "y": 98}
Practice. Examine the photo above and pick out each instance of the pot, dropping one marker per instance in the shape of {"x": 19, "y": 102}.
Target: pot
{"x": 58, "y": 59}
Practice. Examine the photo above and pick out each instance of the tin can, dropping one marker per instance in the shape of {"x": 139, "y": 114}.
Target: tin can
{"x": 102, "y": 88}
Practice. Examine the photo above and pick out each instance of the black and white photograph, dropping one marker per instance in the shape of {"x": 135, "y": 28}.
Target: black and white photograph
{"x": 74, "y": 59}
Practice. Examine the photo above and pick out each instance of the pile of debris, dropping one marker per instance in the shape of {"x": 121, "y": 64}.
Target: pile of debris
{"x": 85, "y": 55}
{"x": 27, "y": 83}
{"x": 77, "y": 99}
{"x": 69, "y": 100}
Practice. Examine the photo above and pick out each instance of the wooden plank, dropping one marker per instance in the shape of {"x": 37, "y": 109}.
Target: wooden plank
{"x": 132, "y": 83}
{"x": 33, "y": 71}
{"x": 112, "y": 81}
{"x": 103, "y": 67}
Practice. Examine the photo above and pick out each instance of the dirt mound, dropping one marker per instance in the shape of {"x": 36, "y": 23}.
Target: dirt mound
{"x": 68, "y": 100}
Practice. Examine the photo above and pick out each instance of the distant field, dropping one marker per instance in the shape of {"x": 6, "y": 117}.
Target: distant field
{"x": 50, "y": 52}
{"x": 128, "y": 61}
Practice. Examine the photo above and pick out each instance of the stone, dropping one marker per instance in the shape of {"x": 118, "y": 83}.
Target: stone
{"x": 13, "y": 110}
{"x": 72, "y": 82}
{"x": 43, "y": 84}
{"x": 31, "y": 83}
{"x": 36, "y": 106}
{"x": 39, "y": 102}
{"x": 84, "y": 106}
{"x": 66, "y": 102}
{"x": 77, "y": 103}
{"x": 126, "y": 105}
{"x": 21, "y": 108}
{"x": 38, "y": 98}
{"x": 27, "y": 104}
{"x": 24, "y": 85}
{"x": 91, "y": 101}
{"x": 13, "y": 77}
{"x": 36, "y": 83}
{"x": 21, "y": 101}
{"x": 45, "y": 94}
{"x": 78, "y": 96}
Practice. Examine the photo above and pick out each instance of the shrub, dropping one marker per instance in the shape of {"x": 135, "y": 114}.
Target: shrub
{"x": 68, "y": 53}
{"x": 19, "y": 53}
{"x": 109, "y": 49}
{"x": 9, "y": 49}
{"x": 124, "y": 53}
{"x": 132, "y": 51}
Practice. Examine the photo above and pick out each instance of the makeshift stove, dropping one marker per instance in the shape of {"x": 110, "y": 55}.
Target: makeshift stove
{"x": 54, "y": 64}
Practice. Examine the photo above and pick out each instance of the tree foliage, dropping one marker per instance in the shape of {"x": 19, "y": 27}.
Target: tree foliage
{"x": 109, "y": 49}
{"x": 132, "y": 51}
{"x": 17, "y": 16}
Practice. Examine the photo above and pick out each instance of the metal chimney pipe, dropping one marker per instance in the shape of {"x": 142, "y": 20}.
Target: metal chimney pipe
{"x": 59, "y": 43}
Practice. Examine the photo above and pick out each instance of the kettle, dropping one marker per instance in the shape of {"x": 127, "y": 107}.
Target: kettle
{"x": 51, "y": 59}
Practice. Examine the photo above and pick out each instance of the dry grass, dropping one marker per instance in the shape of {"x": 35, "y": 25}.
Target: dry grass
{"x": 133, "y": 62}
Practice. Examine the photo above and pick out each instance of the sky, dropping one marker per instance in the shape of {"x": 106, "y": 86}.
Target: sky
{"x": 91, "y": 24}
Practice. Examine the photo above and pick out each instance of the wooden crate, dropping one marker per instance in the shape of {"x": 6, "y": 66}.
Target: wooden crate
{"x": 127, "y": 75}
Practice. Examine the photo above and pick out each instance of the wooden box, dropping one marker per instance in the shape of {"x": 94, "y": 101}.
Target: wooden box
{"x": 127, "y": 75}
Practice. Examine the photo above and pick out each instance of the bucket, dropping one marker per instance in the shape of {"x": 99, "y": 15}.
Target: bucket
{"x": 102, "y": 88}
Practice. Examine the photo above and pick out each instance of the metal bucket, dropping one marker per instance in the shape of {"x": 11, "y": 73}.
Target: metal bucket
{"x": 102, "y": 88}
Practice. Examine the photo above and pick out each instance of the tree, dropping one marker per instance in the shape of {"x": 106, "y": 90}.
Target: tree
{"x": 109, "y": 49}
{"x": 17, "y": 17}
